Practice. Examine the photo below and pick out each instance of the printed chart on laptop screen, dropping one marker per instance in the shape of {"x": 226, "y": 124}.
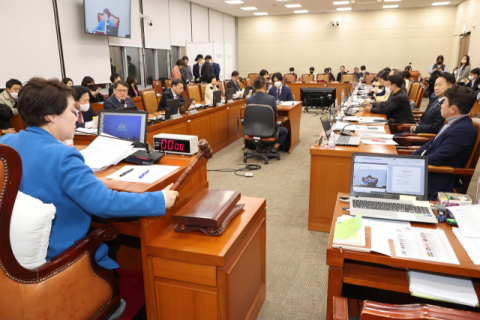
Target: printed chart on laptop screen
{"x": 389, "y": 175}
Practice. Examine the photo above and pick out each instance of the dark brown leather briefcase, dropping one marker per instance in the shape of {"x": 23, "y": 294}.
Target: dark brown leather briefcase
{"x": 208, "y": 210}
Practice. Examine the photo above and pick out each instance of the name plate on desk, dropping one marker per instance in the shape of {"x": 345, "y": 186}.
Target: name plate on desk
{"x": 175, "y": 116}
{"x": 193, "y": 111}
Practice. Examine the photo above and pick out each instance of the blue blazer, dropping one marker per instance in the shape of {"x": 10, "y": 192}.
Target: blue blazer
{"x": 452, "y": 148}
{"x": 216, "y": 70}
{"x": 112, "y": 103}
{"x": 87, "y": 117}
{"x": 101, "y": 26}
{"x": 55, "y": 173}
{"x": 431, "y": 120}
{"x": 265, "y": 99}
{"x": 285, "y": 93}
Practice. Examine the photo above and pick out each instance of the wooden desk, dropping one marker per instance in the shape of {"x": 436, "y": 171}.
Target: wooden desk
{"x": 375, "y": 270}
{"x": 195, "y": 276}
{"x": 330, "y": 171}
{"x": 216, "y": 125}
{"x": 339, "y": 86}
{"x": 294, "y": 114}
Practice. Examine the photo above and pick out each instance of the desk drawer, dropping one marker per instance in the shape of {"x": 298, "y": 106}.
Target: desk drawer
{"x": 182, "y": 271}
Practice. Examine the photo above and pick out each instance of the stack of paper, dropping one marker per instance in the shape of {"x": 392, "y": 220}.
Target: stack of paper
{"x": 86, "y": 131}
{"x": 369, "y": 129}
{"x": 442, "y": 288}
{"x": 373, "y": 136}
{"x": 341, "y": 125}
{"x": 349, "y": 230}
{"x": 365, "y": 120}
{"x": 471, "y": 245}
{"x": 104, "y": 152}
{"x": 468, "y": 219}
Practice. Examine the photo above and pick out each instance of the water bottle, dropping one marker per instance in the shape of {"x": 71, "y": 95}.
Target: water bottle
{"x": 331, "y": 141}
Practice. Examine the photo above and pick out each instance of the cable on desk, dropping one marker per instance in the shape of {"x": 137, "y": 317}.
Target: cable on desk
{"x": 248, "y": 167}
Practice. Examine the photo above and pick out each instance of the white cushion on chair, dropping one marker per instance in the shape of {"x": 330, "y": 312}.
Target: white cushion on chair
{"x": 30, "y": 228}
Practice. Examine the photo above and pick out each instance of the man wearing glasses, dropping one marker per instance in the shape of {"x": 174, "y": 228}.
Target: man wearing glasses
{"x": 120, "y": 98}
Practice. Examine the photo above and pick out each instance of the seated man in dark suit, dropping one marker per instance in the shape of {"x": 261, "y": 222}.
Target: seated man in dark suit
{"x": 261, "y": 97}
{"x": 113, "y": 78}
{"x": 233, "y": 84}
{"x": 206, "y": 70}
{"x": 215, "y": 67}
{"x": 279, "y": 91}
{"x": 455, "y": 141}
{"x": 432, "y": 120}
{"x": 397, "y": 107}
{"x": 341, "y": 73}
{"x": 83, "y": 109}
{"x": 197, "y": 68}
{"x": 120, "y": 97}
{"x": 175, "y": 92}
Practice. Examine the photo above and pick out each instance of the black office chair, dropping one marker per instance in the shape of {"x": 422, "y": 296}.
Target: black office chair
{"x": 259, "y": 128}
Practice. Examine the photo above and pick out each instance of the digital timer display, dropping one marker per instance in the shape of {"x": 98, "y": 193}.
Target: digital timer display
{"x": 173, "y": 145}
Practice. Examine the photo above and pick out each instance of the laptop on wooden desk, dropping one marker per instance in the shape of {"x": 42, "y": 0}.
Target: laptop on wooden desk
{"x": 378, "y": 180}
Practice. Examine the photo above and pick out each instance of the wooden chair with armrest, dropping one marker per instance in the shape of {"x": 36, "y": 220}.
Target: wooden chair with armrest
{"x": 381, "y": 311}
{"x": 289, "y": 78}
{"x": 220, "y": 87}
{"x": 203, "y": 86}
{"x": 467, "y": 171}
{"x": 70, "y": 286}
{"x": 149, "y": 100}
{"x": 194, "y": 92}
{"x": 248, "y": 81}
{"x": 253, "y": 76}
{"x": 114, "y": 19}
{"x": 323, "y": 77}
{"x": 307, "y": 78}
{"x": 157, "y": 85}
{"x": 168, "y": 83}
{"x": 348, "y": 78}
{"x": 369, "y": 77}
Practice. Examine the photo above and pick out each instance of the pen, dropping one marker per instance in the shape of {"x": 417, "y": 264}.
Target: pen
{"x": 121, "y": 175}
{"x": 379, "y": 140}
{"x": 143, "y": 174}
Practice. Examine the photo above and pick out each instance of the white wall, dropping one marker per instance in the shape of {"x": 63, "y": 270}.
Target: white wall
{"x": 199, "y": 23}
{"x": 376, "y": 39}
{"x": 29, "y": 49}
{"x": 157, "y": 36}
{"x": 180, "y": 23}
{"x": 468, "y": 13}
{"x": 215, "y": 22}
{"x": 135, "y": 39}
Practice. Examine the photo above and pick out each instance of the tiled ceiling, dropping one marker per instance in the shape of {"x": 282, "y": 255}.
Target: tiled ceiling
{"x": 274, "y": 7}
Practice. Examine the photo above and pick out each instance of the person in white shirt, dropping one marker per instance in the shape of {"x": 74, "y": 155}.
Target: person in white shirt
{"x": 210, "y": 88}
{"x": 10, "y": 95}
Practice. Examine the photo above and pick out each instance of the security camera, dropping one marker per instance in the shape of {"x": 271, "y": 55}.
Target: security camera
{"x": 338, "y": 22}
{"x": 333, "y": 23}
{"x": 151, "y": 23}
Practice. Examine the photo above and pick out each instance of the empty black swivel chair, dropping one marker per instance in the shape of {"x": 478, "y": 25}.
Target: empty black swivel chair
{"x": 259, "y": 128}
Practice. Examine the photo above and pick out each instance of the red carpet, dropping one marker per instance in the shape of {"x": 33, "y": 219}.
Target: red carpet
{"x": 130, "y": 284}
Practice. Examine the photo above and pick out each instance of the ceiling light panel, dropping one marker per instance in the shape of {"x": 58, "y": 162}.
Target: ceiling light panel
{"x": 392, "y": 6}
{"x": 440, "y": 3}
{"x": 249, "y": 8}
{"x": 260, "y": 13}
{"x": 234, "y": 2}
{"x": 293, "y": 5}
{"x": 340, "y": 3}
{"x": 301, "y": 11}
{"x": 344, "y": 9}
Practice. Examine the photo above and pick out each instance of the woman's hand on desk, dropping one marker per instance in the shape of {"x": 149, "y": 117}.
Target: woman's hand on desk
{"x": 170, "y": 196}
{"x": 11, "y": 130}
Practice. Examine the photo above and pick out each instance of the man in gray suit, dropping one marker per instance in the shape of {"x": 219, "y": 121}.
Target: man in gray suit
{"x": 262, "y": 97}
{"x": 120, "y": 98}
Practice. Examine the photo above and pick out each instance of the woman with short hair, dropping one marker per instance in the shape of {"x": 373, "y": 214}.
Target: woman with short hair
{"x": 132, "y": 86}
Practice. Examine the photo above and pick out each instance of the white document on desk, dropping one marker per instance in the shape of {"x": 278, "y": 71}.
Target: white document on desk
{"x": 468, "y": 219}
{"x": 424, "y": 244}
{"x": 287, "y": 103}
{"x": 471, "y": 245}
{"x": 380, "y": 142}
{"x": 382, "y": 231}
{"x": 374, "y": 136}
{"x": 340, "y": 125}
{"x": 86, "y": 131}
{"x": 155, "y": 172}
{"x": 104, "y": 152}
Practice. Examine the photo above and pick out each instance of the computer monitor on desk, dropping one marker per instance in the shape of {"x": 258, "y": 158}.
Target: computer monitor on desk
{"x": 125, "y": 125}
{"x": 318, "y": 97}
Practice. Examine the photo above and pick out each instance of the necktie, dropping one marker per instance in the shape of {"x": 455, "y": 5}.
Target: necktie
{"x": 278, "y": 93}
{"x": 439, "y": 103}
{"x": 80, "y": 117}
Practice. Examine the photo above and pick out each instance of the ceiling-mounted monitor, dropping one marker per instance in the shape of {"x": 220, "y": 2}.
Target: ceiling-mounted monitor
{"x": 107, "y": 17}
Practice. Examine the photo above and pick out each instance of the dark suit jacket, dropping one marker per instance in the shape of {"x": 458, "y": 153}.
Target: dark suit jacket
{"x": 432, "y": 120}
{"x": 216, "y": 70}
{"x": 110, "y": 91}
{"x": 398, "y": 108}
{"x": 265, "y": 99}
{"x": 112, "y": 103}
{"x": 234, "y": 85}
{"x": 131, "y": 92}
{"x": 206, "y": 70}
{"x": 196, "y": 71}
{"x": 451, "y": 148}
{"x": 285, "y": 93}
{"x": 87, "y": 117}
{"x": 339, "y": 76}
{"x": 168, "y": 95}
{"x": 95, "y": 99}
{"x": 132, "y": 70}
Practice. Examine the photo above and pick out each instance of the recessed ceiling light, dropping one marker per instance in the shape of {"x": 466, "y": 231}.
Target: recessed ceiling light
{"x": 344, "y": 9}
{"x": 392, "y": 6}
{"x": 293, "y": 5}
{"x": 440, "y": 3}
{"x": 234, "y": 2}
{"x": 283, "y": 0}
{"x": 249, "y": 8}
{"x": 260, "y": 13}
{"x": 391, "y": 0}
{"x": 339, "y": 3}
{"x": 301, "y": 11}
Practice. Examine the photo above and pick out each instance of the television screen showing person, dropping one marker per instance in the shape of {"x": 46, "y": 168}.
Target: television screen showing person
{"x": 108, "y": 17}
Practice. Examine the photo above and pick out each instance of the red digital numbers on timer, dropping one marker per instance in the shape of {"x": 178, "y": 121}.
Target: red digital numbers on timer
{"x": 171, "y": 145}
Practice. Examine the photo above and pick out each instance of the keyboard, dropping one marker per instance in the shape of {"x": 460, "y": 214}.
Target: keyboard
{"x": 342, "y": 140}
{"x": 389, "y": 206}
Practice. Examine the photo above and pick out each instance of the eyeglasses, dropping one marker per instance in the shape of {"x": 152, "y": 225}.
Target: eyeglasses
{"x": 121, "y": 91}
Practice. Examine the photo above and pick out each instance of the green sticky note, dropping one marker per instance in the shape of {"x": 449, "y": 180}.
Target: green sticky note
{"x": 348, "y": 227}
{"x": 407, "y": 198}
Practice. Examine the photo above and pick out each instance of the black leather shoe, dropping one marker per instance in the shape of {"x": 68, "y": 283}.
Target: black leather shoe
{"x": 274, "y": 150}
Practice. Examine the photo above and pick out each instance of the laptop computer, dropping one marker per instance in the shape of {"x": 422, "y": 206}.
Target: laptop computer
{"x": 186, "y": 105}
{"x": 341, "y": 140}
{"x": 378, "y": 180}
{"x": 229, "y": 94}
{"x": 112, "y": 31}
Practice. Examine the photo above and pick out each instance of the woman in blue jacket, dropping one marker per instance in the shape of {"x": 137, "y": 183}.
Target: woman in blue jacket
{"x": 102, "y": 25}
{"x": 55, "y": 173}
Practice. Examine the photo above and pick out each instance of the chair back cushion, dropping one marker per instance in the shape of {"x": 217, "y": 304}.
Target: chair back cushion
{"x": 258, "y": 121}
{"x": 307, "y": 77}
{"x": 348, "y": 77}
{"x": 194, "y": 92}
{"x": 413, "y": 91}
{"x": 472, "y": 161}
{"x": 149, "y": 99}
{"x": 290, "y": 78}
{"x": 323, "y": 77}
{"x": 157, "y": 85}
{"x": 30, "y": 229}
{"x": 253, "y": 76}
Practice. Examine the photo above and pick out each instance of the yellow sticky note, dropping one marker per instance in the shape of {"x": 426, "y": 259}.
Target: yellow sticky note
{"x": 348, "y": 227}
{"x": 425, "y": 204}
{"x": 407, "y": 198}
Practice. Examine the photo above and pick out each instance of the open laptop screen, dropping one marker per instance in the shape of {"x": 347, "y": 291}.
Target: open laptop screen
{"x": 389, "y": 176}
{"x": 126, "y": 125}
